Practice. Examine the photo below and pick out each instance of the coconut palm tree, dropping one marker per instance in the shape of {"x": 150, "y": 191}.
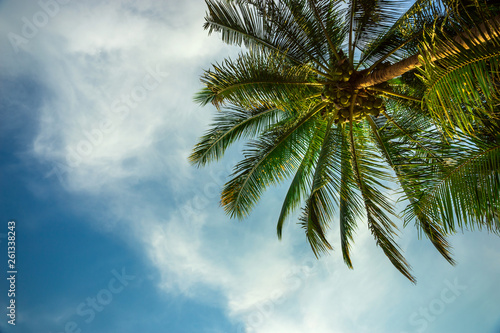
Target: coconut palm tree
{"x": 349, "y": 97}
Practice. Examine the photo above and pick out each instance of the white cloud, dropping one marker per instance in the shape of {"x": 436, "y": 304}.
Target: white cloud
{"x": 120, "y": 79}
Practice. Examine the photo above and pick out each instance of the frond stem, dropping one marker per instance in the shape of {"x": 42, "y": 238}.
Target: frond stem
{"x": 280, "y": 51}
{"x": 372, "y": 67}
{"x": 392, "y": 93}
{"x": 410, "y": 136}
{"x": 351, "y": 30}
{"x": 455, "y": 170}
{"x": 314, "y": 84}
{"x": 332, "y": 47}
{"x": 315, "y": 110}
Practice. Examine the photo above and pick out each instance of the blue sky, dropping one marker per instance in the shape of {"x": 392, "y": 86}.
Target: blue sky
{"x": 116, "y": 232}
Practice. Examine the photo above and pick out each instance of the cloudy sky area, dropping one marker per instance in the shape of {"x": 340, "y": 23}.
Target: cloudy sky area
{"x": 116, "y": 232}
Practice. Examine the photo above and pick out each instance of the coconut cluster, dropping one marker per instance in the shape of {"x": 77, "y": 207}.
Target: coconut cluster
{"x": 339, "y": 100}
{"x": 338, "y": 94}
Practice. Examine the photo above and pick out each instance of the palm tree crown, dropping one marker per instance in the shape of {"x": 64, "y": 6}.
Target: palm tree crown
{"x": 347, "y": 97}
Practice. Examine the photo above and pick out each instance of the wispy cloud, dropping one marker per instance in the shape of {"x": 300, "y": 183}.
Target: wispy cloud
{"x": 120, "y": 86}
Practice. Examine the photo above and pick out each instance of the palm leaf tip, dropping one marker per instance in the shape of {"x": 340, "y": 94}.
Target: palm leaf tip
{"x": 315, "y": 237}
{"x": 231, "y": 202}
{"x": 346, "y": 254}
{"x": 204, "y": 97}
{"x": 435, "y": 234}
{"x": 392, "y": 252}
{"x": 199, "y": 156}
{"x": 193, "y": 160}
{"x": 314, "y": 222}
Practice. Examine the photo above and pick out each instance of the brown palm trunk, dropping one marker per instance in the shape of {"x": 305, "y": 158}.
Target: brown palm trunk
{"x": 477, "y": 35}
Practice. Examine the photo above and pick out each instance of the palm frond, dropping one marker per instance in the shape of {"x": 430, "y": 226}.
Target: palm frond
{"x": 350, "y": 202}
{"x": 297, "y": 24}
{"x": 367, "y": 19}
{"x": 327, "y": 14}
{"x": 255, "y": 78}
{"x": 231, "y": 124}
{"x": 307, "y": 31}
{"x": 394, "y": 157}
{"x": 320, "y": 205}
{"x": 368, "y": 172}
{"x": 465, "y": 193}
{"x": 284, "y": 27}
{"x": 399, "y": 39}
{"x": 302, "y": 181}
{"x": 465, "y": 83}
{"x": 268, "y": 160}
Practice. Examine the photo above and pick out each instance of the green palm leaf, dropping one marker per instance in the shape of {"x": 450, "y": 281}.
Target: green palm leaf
{"x": 272, "y": 26}
{"x": 369, "y": 18}
{"x": 268, "y": 160}
{"x": 465, "y": 194}
{"x": 399, "y": 40}
{"x": 392, "y": 152}
{"x": 254, "y": 78}
{"x": 350, "y": 202}
{"x": 463, "y": 86}
{"x": 320, "y": 204}
{"x": 230, "y": 125}
{"x": 302, "y": 180}
{"x": 368, "y": 172}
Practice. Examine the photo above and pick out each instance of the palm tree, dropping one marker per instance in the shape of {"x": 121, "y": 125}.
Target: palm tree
{"x": 349, "y": 97}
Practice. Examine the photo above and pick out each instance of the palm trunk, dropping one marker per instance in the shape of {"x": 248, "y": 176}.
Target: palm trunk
{"x": 477, "y": 35}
